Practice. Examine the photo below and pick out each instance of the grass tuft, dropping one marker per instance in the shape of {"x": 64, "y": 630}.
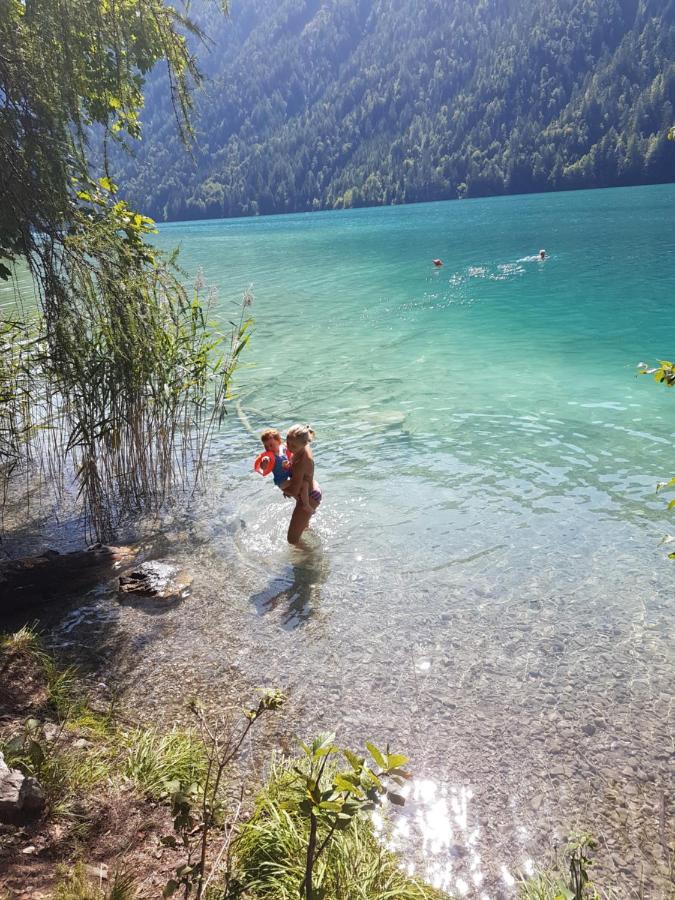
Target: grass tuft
{"x": 93, "y": 723}
{"x": 25, "y": 647}
{"x": 25, "y": 641}
{"x": 154, "y": 760}
{"x": 77, "y": 885}
{"x": 61, "y": 687}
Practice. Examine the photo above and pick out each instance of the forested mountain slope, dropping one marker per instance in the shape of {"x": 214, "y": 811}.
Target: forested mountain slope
{"x": 314, "y": 104}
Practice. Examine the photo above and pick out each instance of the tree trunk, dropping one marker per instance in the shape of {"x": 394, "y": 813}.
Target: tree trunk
{"x": 311, "y": 849}
{"x": 38, "y": 579}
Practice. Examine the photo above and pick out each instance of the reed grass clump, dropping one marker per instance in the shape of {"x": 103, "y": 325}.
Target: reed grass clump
{"x": 117, "y": 393}
{"x": 111, "y": 376}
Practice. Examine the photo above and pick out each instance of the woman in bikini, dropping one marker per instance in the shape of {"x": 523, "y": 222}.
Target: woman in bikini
{"x": 297, "y": 441}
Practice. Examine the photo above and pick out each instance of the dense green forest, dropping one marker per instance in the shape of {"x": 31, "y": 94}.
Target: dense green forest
{"x": 321, "y": 104}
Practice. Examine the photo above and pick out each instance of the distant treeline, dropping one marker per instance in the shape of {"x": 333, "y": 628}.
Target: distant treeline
{"x": 321, "y": 104}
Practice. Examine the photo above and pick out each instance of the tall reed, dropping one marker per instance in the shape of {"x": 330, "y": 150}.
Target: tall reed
{"x": 120, "y": 382}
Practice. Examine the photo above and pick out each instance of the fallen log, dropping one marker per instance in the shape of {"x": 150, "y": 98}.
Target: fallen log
{"x": 38, "y": 579}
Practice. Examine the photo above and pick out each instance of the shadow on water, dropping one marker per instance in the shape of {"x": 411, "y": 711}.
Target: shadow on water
{"x": 297, "y": 591}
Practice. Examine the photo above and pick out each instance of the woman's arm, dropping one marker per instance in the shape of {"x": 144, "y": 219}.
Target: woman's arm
{"x": 291, "y": 488}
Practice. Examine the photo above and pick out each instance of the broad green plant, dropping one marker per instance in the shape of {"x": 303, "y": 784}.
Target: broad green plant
{"x": 269, "y": 853}
{"x": 330, "y": 798}
{"x": 570, "y": 878}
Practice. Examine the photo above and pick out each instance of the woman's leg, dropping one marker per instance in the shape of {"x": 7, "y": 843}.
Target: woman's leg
{"x": 300, "y": 521}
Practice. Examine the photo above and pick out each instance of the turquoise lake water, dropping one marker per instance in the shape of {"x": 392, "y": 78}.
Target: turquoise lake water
{"x": 485, "y": 587}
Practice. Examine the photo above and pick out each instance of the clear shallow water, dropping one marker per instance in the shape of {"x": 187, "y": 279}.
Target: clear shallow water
{"x": 485, "y": 588}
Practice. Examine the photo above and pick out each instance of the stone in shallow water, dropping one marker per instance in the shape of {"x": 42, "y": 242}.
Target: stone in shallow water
{"x": 156, "y": 579}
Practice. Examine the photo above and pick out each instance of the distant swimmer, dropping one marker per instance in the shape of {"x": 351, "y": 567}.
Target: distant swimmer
{"x": 437, "y": 262}
{"x": 542, "y": 254}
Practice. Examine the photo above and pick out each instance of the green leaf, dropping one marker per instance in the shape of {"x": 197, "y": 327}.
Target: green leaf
{"x": 377, "y": 756}
{"x": 345, "y": 782}
{"x": 170, "y": 888}
{"x": 355, "y": 761}
{"x": 35, "y": 753}
{"x": 172, "y": 786}
{"x": 564, "y": 893}
{"x": 395, "y": 760}
{"x": 108, "y": 184}
{"x": 396, "y": 799}
{"x": 370, "y": 778}
{"x": 14, "y": 747}
{"x": 323, "y": 746}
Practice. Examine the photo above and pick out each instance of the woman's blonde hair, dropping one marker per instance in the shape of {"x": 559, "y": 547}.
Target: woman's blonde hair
{"x": 303, "y": 433}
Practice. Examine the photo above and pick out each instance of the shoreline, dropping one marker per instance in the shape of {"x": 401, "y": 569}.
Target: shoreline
{"x": 83, "y": 737}
{"x": 156, "y": 668}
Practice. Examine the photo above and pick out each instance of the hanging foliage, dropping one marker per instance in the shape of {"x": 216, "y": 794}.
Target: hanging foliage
{"x": 117, "y": 379}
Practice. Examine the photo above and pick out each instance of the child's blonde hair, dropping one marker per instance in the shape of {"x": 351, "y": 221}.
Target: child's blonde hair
{"x": 271, "y": 433}
{"x": 303, "y": 433}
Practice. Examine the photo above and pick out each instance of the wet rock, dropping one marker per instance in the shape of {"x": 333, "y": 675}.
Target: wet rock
{"x": 20, "y": 797}
{"x": 157, "y": 580}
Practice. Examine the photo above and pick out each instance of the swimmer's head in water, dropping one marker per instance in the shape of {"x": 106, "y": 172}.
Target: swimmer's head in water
{"x": 299, "y": 436}
{"x": 542, "y": 254}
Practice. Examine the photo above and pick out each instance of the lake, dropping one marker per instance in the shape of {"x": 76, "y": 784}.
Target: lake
{"x": 485, "y": 588}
